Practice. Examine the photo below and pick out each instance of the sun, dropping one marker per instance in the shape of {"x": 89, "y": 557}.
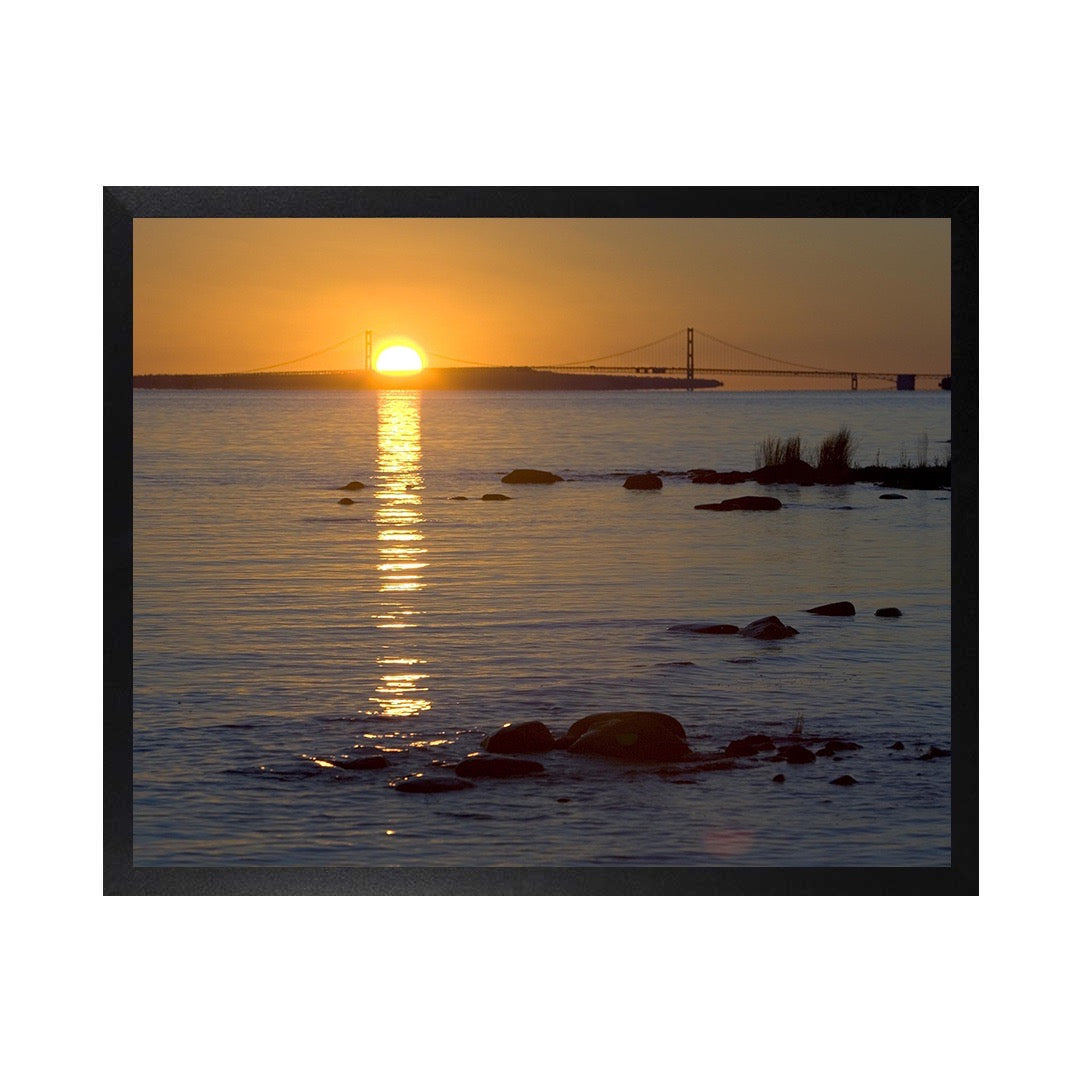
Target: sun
{"x": 398, "y": 360}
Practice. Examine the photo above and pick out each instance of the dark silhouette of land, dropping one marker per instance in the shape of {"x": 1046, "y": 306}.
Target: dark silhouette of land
{"x": 479, "y": 378}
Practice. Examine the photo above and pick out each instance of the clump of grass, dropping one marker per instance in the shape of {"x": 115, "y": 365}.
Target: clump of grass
{"x": 778, "y": 452}
{"x": 797, "y": 728}
{"x": 922, "y": 450}
{"x": 836, "y": 451}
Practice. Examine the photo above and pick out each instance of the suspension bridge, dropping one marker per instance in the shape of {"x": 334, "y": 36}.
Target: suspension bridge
{"x": 689, "y": 351}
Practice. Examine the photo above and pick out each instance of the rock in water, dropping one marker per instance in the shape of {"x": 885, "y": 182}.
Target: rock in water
{"x": 531, "y": 737}
{"x": 844, "y": 781}
{"x": 531, "y": 476}
{"x": 704, "y": 628}
{"x": 373, "y": 761}
{"x": 749, "y": 745}
{"x": 643, "y": 482}
{"x": 888, "y": 613}
{"x": 352, "y": 485}
{"x": 345, "y": 502}
{"x": 745, "y": 502}
{"x": 429, "y": 785}
{"x": 629, "y": 736}
{"x": 768, "y": 629}
{"x": 494, "y": 497}
{"x": 502, "y": 767}
{"x": 840, "y": 608}
{"x": 795, "y": 755}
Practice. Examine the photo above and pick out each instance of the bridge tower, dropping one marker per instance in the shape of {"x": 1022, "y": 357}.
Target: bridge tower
{"x": 367, "y": 350}
{"x": 690, "y": 358}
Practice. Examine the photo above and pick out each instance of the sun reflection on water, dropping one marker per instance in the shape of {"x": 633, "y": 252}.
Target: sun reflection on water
{"x": 399, "y": 519}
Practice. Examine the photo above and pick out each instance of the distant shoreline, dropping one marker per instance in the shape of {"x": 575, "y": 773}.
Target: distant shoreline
{"x": 504, "y": 378}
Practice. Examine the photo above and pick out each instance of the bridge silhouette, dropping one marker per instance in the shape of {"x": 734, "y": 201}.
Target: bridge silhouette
{"x": 682, "y": 351}
{"x": 701, "y": 353}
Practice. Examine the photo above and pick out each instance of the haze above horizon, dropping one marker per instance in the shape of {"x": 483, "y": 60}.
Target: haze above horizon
{"x": 230, "y": 295}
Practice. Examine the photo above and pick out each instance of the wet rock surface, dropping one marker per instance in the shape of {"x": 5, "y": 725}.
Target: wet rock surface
{"x": 531, "y": 737}
{"x": 497, "y": 767}
{"x": 769, "y": 628}
{"x": 629, "y": 736}
{"x": 744, "y": 502}
{"x": 643, "y": 482}
{"x": 373, "y": 761}
{"x": 531, "y": 476}
{"x": 430, "y": 785}
{"x": 842, "y": 607}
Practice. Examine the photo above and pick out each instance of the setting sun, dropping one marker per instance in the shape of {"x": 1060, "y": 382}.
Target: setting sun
{"x": 398, "y": 360}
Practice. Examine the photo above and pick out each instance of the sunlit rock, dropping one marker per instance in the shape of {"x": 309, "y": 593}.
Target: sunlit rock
{"x": 531, "y": 476}
{"x": 501, "y": 767}
{"x": 840, "y": 608}
{"x": 494, "y": 497}
{"x": 531, "y": 737}
{"x": 352, "y": 485}
{"x": 768, "y": 629}
{"x": 629, "y": 736}
{"x": 643, "y": 482}
{"x": 345, "y": 502}
{"x": 744, "y": 502}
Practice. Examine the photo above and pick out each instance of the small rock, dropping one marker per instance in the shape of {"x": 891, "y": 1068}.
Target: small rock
{"x": 530, "y": 476}
{"x": 843, "y": 607}
{"x": 345, "y": 502}
{"x": 891, "y": 495}
{"x": 352, "y": 485}
{"x": 531, "y": 737}
{"x": 459, "y": 498}
{"x": 643, "y": 482}
{"x": 494, "y": 497}
{"x": 778, "y": 778}
{"x": 934, "y": 752}
{"x": 427, "y": 785}
{"x": 483, "y": 765}
{"x": 844, "y": 781}
{"x": 374, "y": 761}
{"x": 795, "y": 755}
{"x": 704, "y": 628}
{"x": 768, "y": 629}
{"x": 745, "y": 502}
{"x": 896, "y": 746}
{"x": 835, "y": 746}
{"x": 888, "y": 613}
{"x": 749, "y": 745}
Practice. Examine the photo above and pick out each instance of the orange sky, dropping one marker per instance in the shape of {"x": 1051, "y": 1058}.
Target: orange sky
{"x": 232, "y": 294}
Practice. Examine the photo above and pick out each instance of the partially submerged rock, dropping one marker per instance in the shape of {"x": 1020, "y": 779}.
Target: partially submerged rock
{"x": 494, "y": 497}
{"x": 355, "y": 485}
{"x": 629, "y": 736}
{"x": 345, "y": 502}
{"x": 704, "y": 628}
{"x": 836, "y": 746}
{"x": 892, "y": 495}
{"x": 501, "y": 767}
{"x": 844, "y": 781}
{"x": 430, "y": 785}
{"x": 888, "y": 613}
{"x": 795, "y": 755}
{"x": 531, "y": 476}
{"x": 749, "y": 745}
{"x": 789, "y": 472}
{"x": 842, "y": 607}
{"x": 644, "y": 482}
{"x": 934, "y": 752}
{"x": 531, "y": 737}
{"x": 744, "y": 502}
{"x": 768, "y": 629}
{"x": 372, "y": 761}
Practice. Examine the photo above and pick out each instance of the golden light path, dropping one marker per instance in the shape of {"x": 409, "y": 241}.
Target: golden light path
{"x": 399, "y": 518}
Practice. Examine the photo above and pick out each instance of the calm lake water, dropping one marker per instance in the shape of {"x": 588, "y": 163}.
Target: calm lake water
{"x": 275, "y": 628}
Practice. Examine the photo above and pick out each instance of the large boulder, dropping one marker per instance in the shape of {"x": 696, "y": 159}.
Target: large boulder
{"x": 531, "y": 737}
{"x": 768, "y": 629}
{"x": 644, "y": 482}
{"x": 531, "y": 476}
{"x": 744, "y": 502}
{"x": 842, "y": 607}
{"x": 501, "y": 767}
{"x": 629, "y": 736}
{"x": 791, "y": 472}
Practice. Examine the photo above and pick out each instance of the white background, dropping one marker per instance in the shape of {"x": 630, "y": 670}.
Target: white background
{"x": 675, "y": 94}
